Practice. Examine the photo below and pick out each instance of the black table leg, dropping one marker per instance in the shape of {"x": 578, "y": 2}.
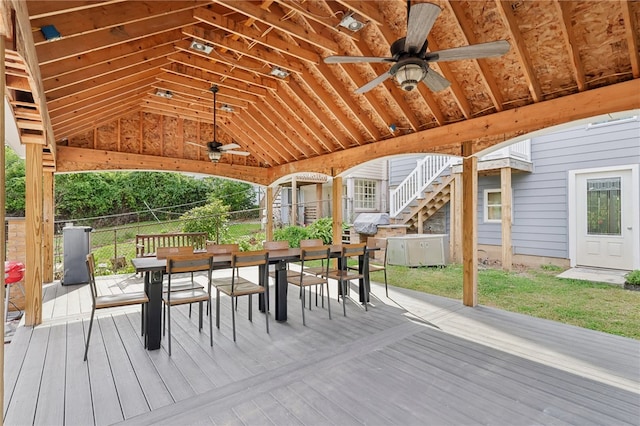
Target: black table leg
{"x": 153, "y": 311}
{"x": 281, "y": 291}
{"x": 364, "y": 285}
{"x": 262, "y": 273}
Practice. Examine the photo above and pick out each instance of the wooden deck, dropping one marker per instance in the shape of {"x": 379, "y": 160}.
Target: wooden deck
{"x": 412, "y": 359}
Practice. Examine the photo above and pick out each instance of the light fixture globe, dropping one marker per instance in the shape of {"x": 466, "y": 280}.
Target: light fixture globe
{"x": 409, "y": 75}
{"x": 215, "y": 156}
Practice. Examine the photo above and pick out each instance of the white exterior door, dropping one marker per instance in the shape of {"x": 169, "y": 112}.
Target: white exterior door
{"x": 606, "y": 218}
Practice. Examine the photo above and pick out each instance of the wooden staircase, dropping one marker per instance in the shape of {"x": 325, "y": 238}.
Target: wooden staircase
{"x": 435, "y": 197}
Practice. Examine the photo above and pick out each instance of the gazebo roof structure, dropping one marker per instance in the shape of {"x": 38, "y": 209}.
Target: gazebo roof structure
{"x": 125, "y": 84}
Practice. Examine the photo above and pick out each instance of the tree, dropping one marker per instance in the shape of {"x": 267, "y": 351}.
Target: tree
{"x": 14, "y": 183}
{"x": 237, "y": 195}
{"x": 211, "y": 218}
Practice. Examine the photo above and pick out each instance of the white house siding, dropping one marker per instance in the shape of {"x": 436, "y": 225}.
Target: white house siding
{"x": 540, "y": 199}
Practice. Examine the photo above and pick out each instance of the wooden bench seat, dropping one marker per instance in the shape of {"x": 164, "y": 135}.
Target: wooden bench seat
{"x": 148, "y": 244}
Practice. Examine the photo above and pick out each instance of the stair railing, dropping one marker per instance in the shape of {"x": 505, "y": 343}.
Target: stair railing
{"x": 413, "y": 186}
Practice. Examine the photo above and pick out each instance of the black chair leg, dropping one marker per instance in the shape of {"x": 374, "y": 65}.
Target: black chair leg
{"x": 302, "y": 303}
{"x": 86, "y": 349}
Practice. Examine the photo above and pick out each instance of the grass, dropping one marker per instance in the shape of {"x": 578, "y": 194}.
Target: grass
{"x": 535, "y": 292}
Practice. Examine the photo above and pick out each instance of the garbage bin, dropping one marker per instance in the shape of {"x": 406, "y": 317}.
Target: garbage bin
{"x": 76, "y": 246}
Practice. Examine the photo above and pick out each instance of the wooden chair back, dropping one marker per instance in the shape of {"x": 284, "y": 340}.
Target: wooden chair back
{"x": 275, "y": 245}
{"x": 353, "y": 250}
{"x": 316, "y": 253}
{"x": 164, "y": 252}
{"x": 91, "y": 268}
{"x": 242, "y": 259}
{"x": 191, "y": 262}
{"x": 222, "y": 248}
{"x": 379, "y": 243}
{"x": 314, "y": 242}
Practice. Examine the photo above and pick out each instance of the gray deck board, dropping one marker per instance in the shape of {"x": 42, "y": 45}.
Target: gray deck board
{"x": 412, "y": 359}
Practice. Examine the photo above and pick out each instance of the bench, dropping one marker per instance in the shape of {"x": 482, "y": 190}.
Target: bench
{"x": 147, "y": 244}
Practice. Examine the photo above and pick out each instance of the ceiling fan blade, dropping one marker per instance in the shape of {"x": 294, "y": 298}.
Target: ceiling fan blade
{"x": 229, "y": 146}
{"x": 435, "y": 81}
{"x": 243, "y": 153}
{"x": 373, "y": 83}
{"x": 422, "y": 16}
{"x": 195, "y": 144}
{"x": 475, "y": 51}
{"x": 355, "y": 59}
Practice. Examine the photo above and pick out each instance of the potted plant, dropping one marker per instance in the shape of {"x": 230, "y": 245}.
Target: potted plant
{"x": 632, "y": 280}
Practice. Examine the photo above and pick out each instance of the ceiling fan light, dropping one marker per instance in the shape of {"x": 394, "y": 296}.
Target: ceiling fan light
{"x": 408, "y": 76}
{"x": 215, "y": 156}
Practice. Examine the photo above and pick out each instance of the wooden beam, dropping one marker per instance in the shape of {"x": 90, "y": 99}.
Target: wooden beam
{"x": 469, "y": 227}
{"x": 287, "y": 27}
{"x": 294, "y": 202}
{"x": 501, "y": 125}
{"x": 33, "y": 221}
{"x": 319, "y": 201}
{"x": 518, "y": 43}
{"x": 456, "y": 219}
{"x": 269, "y": 209}
{"x": 48, "y": 231}
{"x": 73, "y": 159}
{"x": 631, "y": 30}
{"x": 336, "y": 190}
{"x": 571, "y": 43}
{"x": 507, "y": 203}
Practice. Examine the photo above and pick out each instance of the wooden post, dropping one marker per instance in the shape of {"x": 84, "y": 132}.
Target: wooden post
{"x": 3, "y": 238}
{"x": 294, "y": 201}
{"x": 33, "y": 207}
{"x": 421, "y": 222}
{"x": 455, "y": 219}
{"x": 268, "y": 232}
{"x": 319, "y": 201}
{"x": 336, "y": 191}
{"x": 48, "y": 228}
{"x": 469, "y": 228}
{"x": 506, "y": 201}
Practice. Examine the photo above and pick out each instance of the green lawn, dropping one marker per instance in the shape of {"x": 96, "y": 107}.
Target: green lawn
{"x": 535, "y": 292}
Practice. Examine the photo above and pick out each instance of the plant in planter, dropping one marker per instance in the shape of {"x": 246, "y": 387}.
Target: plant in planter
{"x": 632, "y": 280}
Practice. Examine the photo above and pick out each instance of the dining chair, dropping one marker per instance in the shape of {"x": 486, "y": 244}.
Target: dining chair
{"x": 162, "y": 253}
{"x": 192, "y": 262}
{"x": 381, "y": 244}
{"x": 221, "y": 250}
{"x": 236, "y": 286}
{"x": 303, "y": 280}
{"x": 110, "y": 300}
{"x": 344, "y": 275}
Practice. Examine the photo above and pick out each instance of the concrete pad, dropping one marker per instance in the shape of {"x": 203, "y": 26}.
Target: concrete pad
{"x": 601, "y": 275}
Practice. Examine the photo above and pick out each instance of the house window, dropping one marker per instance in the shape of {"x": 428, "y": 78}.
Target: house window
{"x": 492, "y": 205}
{"x": 365, "y": 193}
{"x": 604, "y": 212}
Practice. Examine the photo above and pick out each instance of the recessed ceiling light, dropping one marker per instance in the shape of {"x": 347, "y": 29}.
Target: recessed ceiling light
{"x": 164, "y": 94}
{"x": 279, "y": 72}
{"x": 201, "y": 47}
{"x": 226, "y": 108}
{"x": 351, "y": 23}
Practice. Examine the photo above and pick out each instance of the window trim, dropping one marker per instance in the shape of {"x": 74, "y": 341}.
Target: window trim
{"x": 376, "y": 201}
{"x": 486, "y": 205}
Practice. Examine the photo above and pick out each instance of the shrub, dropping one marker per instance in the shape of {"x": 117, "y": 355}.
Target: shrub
{"x": 293, "y": 234}
{"x": 322, "y": 229}
{"x": 633, "y": 277}
{"x": 211, "y": 218}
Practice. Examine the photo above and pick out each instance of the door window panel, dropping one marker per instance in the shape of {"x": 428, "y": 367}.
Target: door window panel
{"x": 604, "y": 212}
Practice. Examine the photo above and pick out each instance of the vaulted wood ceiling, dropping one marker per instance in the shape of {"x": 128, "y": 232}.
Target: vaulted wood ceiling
{"x": 95, "y": 87}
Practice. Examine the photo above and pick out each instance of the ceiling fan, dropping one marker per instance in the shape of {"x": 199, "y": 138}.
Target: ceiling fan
{"x": 411, "y": 59}
{"x": 215, "y": 149}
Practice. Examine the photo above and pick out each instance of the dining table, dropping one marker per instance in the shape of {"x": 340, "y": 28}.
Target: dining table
{"x": 154, "y": 269}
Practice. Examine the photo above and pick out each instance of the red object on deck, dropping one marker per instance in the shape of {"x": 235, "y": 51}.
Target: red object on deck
{"x": 13, "y": 272}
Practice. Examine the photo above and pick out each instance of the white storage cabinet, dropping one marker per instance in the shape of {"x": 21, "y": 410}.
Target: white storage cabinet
{"x": 418, "y": 250}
